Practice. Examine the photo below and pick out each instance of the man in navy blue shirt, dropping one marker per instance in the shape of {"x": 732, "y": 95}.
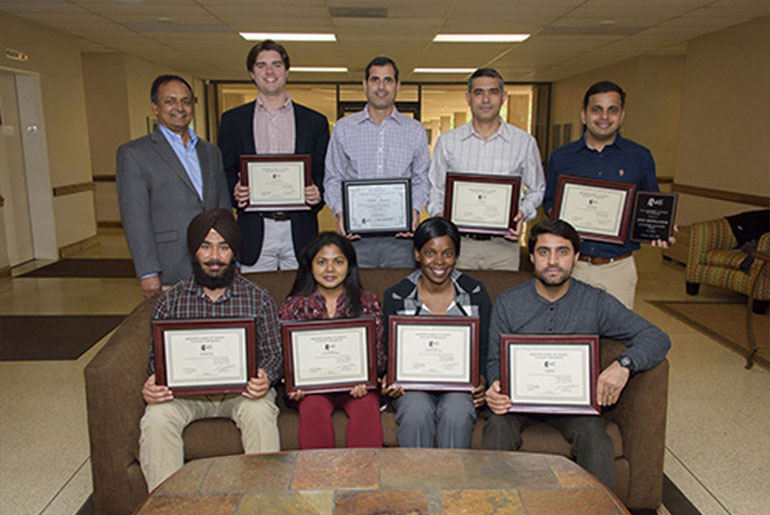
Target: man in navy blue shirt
{"x": 603, "y": 154}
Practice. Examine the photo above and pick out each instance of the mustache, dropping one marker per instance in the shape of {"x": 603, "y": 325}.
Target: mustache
{"x": 214, "y": 262}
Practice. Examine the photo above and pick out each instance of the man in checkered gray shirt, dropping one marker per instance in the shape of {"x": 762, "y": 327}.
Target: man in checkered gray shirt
{"x": 378, "y": 143}
{"x": 214, "y": 290}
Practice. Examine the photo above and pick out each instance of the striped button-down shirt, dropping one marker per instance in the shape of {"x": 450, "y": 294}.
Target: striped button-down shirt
{"x": 188, "y": 156}
{"x": 509, "y": 151}
{"x": 362, "y": 149}
{"x": 274, "y": 132}
{"x": 242, "y": 299}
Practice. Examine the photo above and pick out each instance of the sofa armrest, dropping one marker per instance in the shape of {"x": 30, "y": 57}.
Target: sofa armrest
{"x": 764, "y": 243}
{"x": 704, "y": 237}
{"x": 114, "y": 380}
{"x": 641, "y": 417}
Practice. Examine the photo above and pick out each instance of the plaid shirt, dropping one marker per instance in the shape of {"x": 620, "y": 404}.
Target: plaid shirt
{"x": 313, "y": 307}
{"x": 362, "y": 149}
{"x": 242, "y": 299}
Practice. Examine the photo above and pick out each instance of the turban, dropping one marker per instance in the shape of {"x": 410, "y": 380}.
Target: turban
{"x": 222, "y": 221}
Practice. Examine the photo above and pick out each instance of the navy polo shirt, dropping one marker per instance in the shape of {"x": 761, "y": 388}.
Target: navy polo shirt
{"x": 622, "y": 161}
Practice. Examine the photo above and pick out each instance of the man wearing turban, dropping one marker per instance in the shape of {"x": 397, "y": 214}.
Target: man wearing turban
{"x": 214, "y": 290}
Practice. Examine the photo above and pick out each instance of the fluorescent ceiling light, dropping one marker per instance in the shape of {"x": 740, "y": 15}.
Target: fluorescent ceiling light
{"x": 444, "y": 70}
{"x": 480, "y": 38}
{"x": 330, "y": 69}
{"x": 287, "y": 36}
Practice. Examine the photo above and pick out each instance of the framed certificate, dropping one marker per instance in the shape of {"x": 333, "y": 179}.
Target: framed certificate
{"x": 433, "y": 352}
{"x": 553, "y": 374}
{"x": 599, "y": 210}
{"x": 372, "y": 206}
{"x": 654, "y": 214}
{"x": 479, "y": 203}
{"x": 276, "y": 181}
{"x": 323, "y": 356}
{"x": 211, "y": 356}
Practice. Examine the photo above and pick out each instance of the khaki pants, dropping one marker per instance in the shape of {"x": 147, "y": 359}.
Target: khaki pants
{"x": 618, "y": 278}
{"x": 496, "y": 253}
{"x": 161, "y": 448}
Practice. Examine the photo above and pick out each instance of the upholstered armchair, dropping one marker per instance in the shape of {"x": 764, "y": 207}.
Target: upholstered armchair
{"x": 714, "y": 260}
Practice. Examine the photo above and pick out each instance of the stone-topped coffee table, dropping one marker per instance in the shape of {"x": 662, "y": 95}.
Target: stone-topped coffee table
{"x": 392, "y": 480}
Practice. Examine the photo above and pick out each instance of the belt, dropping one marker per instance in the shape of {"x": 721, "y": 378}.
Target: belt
{"x": 596, "y": 260}
{"x": 478, "y": 237}
{"x": 278, "y": 216}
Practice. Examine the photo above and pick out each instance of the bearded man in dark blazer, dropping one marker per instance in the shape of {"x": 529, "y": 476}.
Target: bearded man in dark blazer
{"x": 273, "y": 124}
{"x": 163, "y": 180}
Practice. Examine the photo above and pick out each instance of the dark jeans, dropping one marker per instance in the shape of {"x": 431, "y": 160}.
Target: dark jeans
{"x": 591, "y": 445}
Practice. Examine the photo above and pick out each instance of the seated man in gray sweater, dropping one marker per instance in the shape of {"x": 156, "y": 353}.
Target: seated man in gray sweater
{"x": 552, "y": 303}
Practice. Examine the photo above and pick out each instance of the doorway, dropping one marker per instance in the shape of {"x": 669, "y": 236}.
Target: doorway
{"x": 13, "y": 182}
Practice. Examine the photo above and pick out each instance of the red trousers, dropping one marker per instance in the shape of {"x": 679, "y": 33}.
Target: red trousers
{"x": 316, "y": 430}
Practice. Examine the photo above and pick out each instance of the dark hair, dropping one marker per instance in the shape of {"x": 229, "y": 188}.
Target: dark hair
{"x": 305, "y": 284}
{"x": 381, "y": 61}
{"x": 486, "y": 72}
{"x": 553, "y": 226}
{"x": 267, "y": 44}
{"x": 164, "y": 79}
{"x": 604, "y": 86}
{"x": 436, "y": 227}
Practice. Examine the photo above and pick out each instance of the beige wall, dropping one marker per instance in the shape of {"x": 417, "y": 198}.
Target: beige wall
{"x": 119, "y": 84}
{"x": 653, "y": 86}
{"x": 56, "y": 57}
{"x": 724, "y": 136}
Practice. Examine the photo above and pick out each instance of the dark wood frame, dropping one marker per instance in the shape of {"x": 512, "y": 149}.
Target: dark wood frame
{"x": 278, "y": 206}
{"x": 473, "y": 322}
{"x": 514, "y": 182}
{"x": 636, "y": 212}
{"x": 160, "y": 326}
{"x": 592, "y": 340}
{"x": 346, "y": 185}
{"x": 289, "y": 327}
{"x": 599, "y": 183}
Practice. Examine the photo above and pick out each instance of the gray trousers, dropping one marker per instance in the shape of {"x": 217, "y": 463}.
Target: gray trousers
{"x": 444, "y": 419}
{"x": 591, "y": 445}
{"x": 384, "y": 252}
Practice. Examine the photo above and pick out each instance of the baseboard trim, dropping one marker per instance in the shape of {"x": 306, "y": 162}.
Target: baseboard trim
{"x": 112, "y": 224}
{"x": 79, "y": 246}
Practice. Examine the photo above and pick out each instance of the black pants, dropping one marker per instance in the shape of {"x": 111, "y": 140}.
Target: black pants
{"x": 591, "y": 445}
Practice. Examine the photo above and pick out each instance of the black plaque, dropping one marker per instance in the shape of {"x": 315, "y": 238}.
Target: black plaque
{"x": 654, "y": 214}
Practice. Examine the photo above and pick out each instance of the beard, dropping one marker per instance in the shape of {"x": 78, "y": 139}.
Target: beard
{"x": 214, "y": 282}
{"x": 545, "y": 281}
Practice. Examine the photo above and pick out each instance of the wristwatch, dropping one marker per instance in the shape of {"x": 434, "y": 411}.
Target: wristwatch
{"x": 625, "y": 361}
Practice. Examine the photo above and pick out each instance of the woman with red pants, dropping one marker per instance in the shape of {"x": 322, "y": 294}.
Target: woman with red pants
{"x": 327, "y": 286}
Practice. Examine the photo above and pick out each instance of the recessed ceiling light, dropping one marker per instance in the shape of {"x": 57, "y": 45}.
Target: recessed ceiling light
{"x": 320, "y": 69}
{"x": 287, "y": 36}
{"x": 444, "y": 70}
{"x": 480, "y": 38}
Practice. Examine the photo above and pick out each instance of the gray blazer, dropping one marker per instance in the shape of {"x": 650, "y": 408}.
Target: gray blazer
{"x": 158, "y": 200}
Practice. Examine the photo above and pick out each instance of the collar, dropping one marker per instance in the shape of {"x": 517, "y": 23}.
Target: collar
{"x": 546, "y": 301}
{"x": 235, "y": 289}
{"x": 394, "y": 115}
{"x": 503, "y": 131}
{"x": 619, "y": 143}
{"x": 173, "y": 136}
{"x": 260, "y": 105}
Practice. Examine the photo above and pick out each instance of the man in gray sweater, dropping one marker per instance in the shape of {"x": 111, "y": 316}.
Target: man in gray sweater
{"x": 553, "y": 303}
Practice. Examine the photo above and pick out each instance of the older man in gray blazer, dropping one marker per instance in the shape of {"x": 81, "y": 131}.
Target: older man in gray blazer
{"x": 163, "y": 181}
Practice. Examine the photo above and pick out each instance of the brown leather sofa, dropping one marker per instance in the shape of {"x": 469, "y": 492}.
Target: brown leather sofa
{"x": 114, "y": 380}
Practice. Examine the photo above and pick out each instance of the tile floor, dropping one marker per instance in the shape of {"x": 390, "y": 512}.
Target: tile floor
{"x": 717, "y": 443}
